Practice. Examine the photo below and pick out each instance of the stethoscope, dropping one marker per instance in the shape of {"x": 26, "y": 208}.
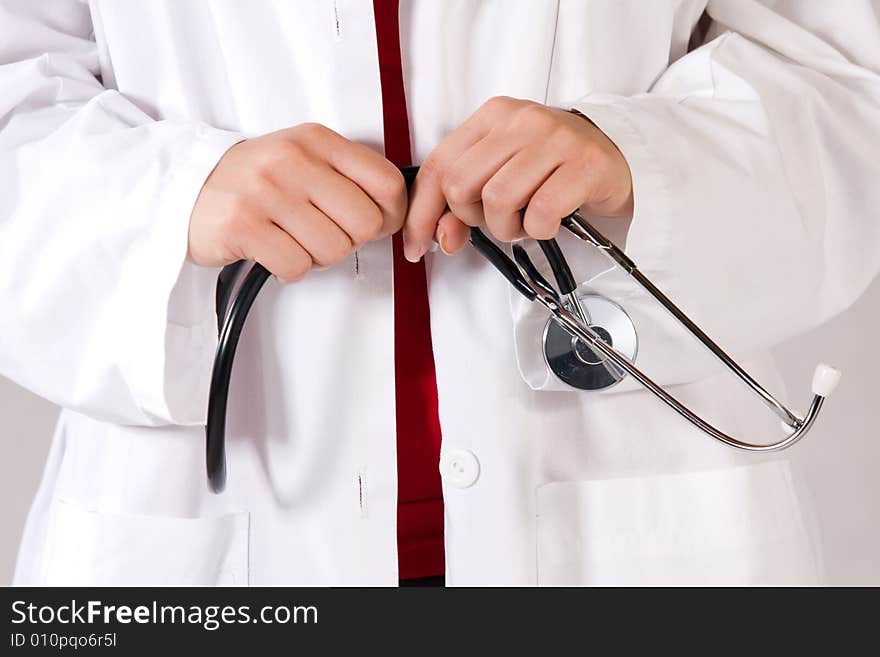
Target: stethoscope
{"x": 589, "y": 342}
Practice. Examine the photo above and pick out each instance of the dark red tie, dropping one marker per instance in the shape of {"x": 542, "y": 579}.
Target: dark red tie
{"x": 420, "y": 497}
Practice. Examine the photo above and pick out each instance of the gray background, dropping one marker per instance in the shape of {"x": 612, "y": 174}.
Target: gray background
{"x": 840, "y": 457}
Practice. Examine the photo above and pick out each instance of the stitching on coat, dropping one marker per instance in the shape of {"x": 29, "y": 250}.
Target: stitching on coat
{"x": 336, "y": 22}
{"x": 362, "y": 492}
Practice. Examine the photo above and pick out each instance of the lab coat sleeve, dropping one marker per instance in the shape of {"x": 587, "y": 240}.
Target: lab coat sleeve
{"x": 755, "y": 169}
{"x": 100, "y": 311}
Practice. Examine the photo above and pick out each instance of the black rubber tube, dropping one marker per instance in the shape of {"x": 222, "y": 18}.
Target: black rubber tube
{"x": 225, "y": 284}
{"x": 230, "y": 326}
{"x": 409, "y": 175}
{"x": 501, "y": 262}
{"x": 215, "y": 430}
{"x": 523, "y": 260}
{"x": 559, "y": 265}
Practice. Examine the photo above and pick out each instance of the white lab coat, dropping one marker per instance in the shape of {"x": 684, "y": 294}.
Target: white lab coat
{"x": 754, "y": 161}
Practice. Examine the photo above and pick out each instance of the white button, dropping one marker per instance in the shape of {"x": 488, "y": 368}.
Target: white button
{"x": 460, "y": 468}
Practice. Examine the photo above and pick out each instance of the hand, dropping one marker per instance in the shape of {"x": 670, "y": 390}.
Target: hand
{"x": 508, "y": 155}
{"x": 295, "y": 198}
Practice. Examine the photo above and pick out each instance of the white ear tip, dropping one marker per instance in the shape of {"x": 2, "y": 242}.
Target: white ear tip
{"x": 825, "y": 379}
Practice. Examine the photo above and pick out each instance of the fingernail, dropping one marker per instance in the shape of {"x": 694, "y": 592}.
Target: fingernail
{"x": 441, "y": 240}
{"x": 412, "y": 252}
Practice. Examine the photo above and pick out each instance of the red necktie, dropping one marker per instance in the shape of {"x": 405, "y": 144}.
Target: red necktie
{"x": 420, "y": 497}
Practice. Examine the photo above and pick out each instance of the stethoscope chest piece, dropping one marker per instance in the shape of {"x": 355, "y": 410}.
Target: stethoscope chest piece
{"x": 574, "y": 363}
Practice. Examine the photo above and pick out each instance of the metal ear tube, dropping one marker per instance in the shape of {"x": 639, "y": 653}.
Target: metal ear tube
{"x": 825, "y": 378}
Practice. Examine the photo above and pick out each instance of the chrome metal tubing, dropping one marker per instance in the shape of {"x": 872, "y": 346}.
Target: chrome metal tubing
{"x": 577, "y": 308}
{"x": 582, "y": 229}
{"x": 572, "y": 324}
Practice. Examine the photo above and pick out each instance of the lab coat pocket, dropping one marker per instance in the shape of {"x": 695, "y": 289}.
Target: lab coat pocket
{"x": 88, "y": 548}
{"x": 737, "y": 526}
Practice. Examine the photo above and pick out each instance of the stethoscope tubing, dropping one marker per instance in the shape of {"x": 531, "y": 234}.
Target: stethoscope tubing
{"x": 582, "y": 229}
{"x": 215, "y": 430}
{"x": 231, "y": 323}
{"x": 573, "y": 325}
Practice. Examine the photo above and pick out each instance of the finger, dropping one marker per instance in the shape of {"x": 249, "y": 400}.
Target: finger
{"x": 346, "y": 204}
{"x": 426, "y": 205}
{"x": 319, "y": 235}
{"x": 559, "y": 195}
{"x": 427, "y": 202}
{"x": 375, "y": 175}
{"x": 452, "y": 233}
{"x": 277, "y": 251}
{"x": 512, "y": 188}
{"x": 465, "y": 178}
